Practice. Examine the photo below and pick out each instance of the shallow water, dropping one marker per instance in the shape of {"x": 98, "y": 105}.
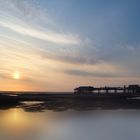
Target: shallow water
{"x": 26, "y": 121}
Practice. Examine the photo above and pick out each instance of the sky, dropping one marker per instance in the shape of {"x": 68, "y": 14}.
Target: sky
{"x": 57, "y": 45}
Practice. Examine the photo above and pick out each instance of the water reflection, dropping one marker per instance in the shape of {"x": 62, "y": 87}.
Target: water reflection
{"x": 16, "y": 121}
{"x": 57, "y": 120}
{"x": 16, "y": 124}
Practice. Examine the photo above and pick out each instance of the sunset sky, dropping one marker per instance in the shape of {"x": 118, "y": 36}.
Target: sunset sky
{"x": 57, "y": 45}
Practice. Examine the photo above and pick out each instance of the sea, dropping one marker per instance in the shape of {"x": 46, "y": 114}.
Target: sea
{"x": 36, "y": 120}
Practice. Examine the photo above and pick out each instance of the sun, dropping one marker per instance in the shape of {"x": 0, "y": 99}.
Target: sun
{"x": 16, "y": 75}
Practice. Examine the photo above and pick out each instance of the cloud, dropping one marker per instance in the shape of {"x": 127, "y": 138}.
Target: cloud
{"x": 29, "y": 19}
{"x": 74, "y": 55}
{"x": 94, "y": 74}
{"x": 70, "y": 57}
{"x": 51, "y": 36}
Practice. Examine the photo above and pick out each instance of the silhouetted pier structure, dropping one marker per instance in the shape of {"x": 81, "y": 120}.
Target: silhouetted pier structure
{"x": 83, "y": 98}
{"x": 81, "y": 93}
{"x": 131, "y": 89}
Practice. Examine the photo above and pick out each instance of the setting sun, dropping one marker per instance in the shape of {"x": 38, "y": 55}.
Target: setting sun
{"x": 16, "y": 75}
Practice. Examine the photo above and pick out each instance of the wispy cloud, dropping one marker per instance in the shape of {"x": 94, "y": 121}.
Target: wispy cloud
{"x": 26, "y": 19}
{"x": 93, "y": 74}
{"x": 51, "y": 36}
{"x": 71, "y": 56}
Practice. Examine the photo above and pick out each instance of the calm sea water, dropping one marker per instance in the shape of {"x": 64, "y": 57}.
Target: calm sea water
{"x": 28, "y": 122}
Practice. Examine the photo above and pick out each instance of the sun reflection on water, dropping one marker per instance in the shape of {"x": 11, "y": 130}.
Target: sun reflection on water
{"x": 17, "y": 122}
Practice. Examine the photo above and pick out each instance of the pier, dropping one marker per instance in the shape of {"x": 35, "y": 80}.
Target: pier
{"x": 131, "y": 89}
{"x": 80, "y": 93}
